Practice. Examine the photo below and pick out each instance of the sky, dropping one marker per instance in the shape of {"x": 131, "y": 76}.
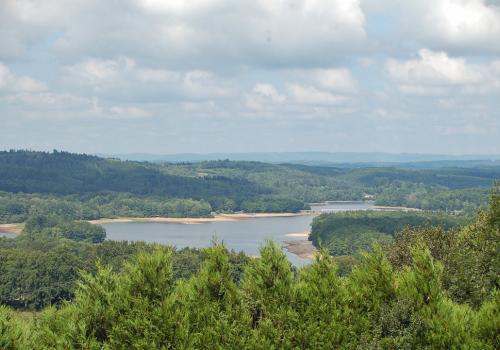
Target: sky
{"x": 182, "y": 76}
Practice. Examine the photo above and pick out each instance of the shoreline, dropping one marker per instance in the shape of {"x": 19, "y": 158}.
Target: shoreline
{"x": 298, "y": 234}
{"x": 216, "y": 218}
{"x": 16, "y": 228}
{"x": 11, "y": 228}
{"x": 303, "y": 248}
{"x": 373, "y": 207}
{"x": 341, "y": 202}
{"x": 389, "y": 208}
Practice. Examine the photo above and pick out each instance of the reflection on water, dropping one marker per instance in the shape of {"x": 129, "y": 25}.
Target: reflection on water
{"x": 244, "y": 235}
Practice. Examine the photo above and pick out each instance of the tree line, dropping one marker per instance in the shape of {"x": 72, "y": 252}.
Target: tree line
{"x": 88, "y": 187}
{"x": 37, "y": 271}
{"x": 347, "y": 233}
{"x": 18, "y": 207}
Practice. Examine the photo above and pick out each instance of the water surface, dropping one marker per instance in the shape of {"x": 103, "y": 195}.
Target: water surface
{"x": 243, "y": 235}
{"x": 8, "y": 234}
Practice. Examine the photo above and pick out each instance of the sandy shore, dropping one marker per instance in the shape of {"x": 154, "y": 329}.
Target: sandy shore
{"x": 216, "y": 218}
{"x": 11, "y": 228}
{"x": 387, "y": 208}
{"x": 298, "y": 234}
{"x": 303, "y": 248}
{"x": 339, "y": 202}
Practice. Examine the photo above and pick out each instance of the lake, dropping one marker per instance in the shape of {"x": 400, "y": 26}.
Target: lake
{"x": 242, "y": 235}
{"x": 8, "y": 234}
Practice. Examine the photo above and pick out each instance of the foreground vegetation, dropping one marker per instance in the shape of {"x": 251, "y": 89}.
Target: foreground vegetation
{"x": 36, "y": 273}
{"x": 431, "y": 288}
{"x": 41, "y": 266}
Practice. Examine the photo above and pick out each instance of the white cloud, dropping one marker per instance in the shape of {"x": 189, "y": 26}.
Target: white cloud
{"x": 65, "y": 106}
{"x": 311, "y": 95}
{"x": 436, "y": 73}
{"x": 433, "y": 68}
{"x": 124, "y": 74}
{"x": 422, "y": 90}
{"x": 463, "y": 23}
{"x": 263, "y": 96}
{"x": 202, "y": 108}
{"x": 462, "y": 26}
{"x": 97, "y": 70}
{"x": 388, "y": 117}
{"x": 128, "y": 112}
{"x": 24, "y": 22}
{"x": 193, "y": 34}
{"x": 48, "y": 105}
{"x": 495, "y": 66}
{"x": 204, "y": 83}
{"x": 192, "y": 64}
{"x": 299, "y": 98}
{"x": 157, "y": 75}
{"x": 340, "y": 80}
{"x": 178, "y": 7}
{"x": 10, "y": 82}
{"x": 267, "y": 90}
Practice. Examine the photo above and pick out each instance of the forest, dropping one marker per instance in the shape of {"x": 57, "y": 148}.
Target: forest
{"x": 85, "y": 187}
{"x": 346, "y": 233}
{"x": 431, "y": 287}
{"x": 37, "y": 271}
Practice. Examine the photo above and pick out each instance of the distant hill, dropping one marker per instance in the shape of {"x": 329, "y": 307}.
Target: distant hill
{"x": 318, "y": 158}
{"x": 67, "y": 173}
{"x": 250, "y": 185}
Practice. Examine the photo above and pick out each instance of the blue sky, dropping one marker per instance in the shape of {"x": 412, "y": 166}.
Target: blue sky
{"x": 178, "y": 76}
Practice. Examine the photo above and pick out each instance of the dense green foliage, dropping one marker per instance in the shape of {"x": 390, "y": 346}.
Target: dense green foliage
{"x": 470, "y": 255}
{"x": 432, "y": 283}
{"x": 19, "y": 207}
{"x": 441, "y": 188}
{"x": 37, "y": 272}
{"x": 88, "y": 187}
{"x": 372, "y": 308}
{"x": 55, "y": 227}
{"x": 309, "y": 184}
{"x": 65, "y": 173}
{"x": 432, "y": 288}
{"x": 432, "y": 197}
{"x": 346, "y": 233}
{"x": 453, "y": 178}
{"x": 82, "y": 187}
{"x": 272, "y": 204}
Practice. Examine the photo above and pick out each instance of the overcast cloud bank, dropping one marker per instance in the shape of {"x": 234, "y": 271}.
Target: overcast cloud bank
{"x": 216, "y": 76}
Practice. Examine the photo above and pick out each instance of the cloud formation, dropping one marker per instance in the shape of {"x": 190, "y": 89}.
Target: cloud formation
{"x": 435, "y": 73}
{"x": 461, "y": 26}
{"x": 197, "y": 33}
{"x": 473, "y": 24}
{"x": 10, "y": 82}
{"x": 214, "y": 75}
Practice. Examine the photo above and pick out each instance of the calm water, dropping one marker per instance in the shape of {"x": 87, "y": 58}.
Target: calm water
{"x": 244, "y": 235}
{"x": 8, "y": 234}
